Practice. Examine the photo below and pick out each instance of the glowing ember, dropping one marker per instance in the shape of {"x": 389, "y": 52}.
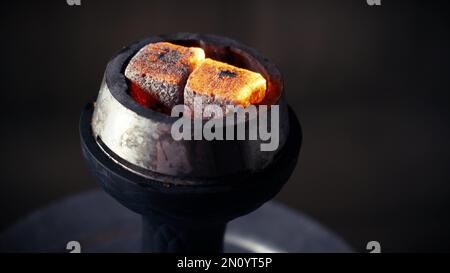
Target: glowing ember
{"x": 159, "y": 71}
{"x": 163, "y": 75}
{"x": 220, "y": 83}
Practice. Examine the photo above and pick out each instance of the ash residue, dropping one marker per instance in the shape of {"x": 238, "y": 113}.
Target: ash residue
{"x": 227, "y": 74}
{"x": 171, "y": 56}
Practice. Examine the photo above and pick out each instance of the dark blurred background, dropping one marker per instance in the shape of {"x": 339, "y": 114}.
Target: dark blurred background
{"x": 369, "y": 84}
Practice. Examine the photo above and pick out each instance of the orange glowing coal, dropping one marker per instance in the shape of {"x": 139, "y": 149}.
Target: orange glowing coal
{"x": 221, "y": 83}
{"x": 164, "y": 74}
{"x": 159, "y": 71}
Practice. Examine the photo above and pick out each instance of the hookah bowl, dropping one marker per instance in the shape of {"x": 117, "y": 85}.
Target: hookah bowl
{"x": 186, "y": 191}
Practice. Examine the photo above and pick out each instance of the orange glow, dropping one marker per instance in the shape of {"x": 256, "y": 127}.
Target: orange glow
{"x": 227, "y": 83}
{"x": 160, "y": 72}
{"x": 166, "y": 62}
